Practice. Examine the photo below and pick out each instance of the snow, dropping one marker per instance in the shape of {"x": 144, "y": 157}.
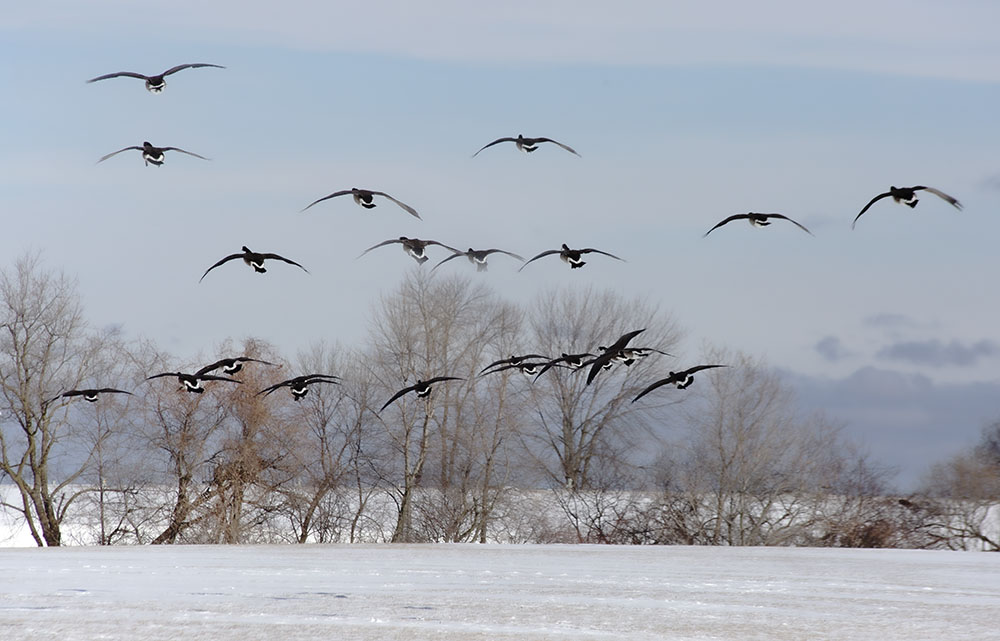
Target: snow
{"x": 496, "y": 592}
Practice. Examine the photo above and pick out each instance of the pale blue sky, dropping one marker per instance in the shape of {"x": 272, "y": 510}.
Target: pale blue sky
{"x": 683, "y": 115}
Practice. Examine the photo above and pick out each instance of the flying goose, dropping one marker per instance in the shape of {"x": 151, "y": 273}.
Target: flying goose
{"x": 527, "y": 368}
{"x": 253, "y": 259}
{"x": 630, "y": 355}
{"x": 365, "y": 198}
{"x": 527, "y": 145}
{"x": 421, "y": 388}
{"x": 572, "y": 361}
{"x": 230, "y": 365}
{"x": 193, "y": 382}
{"x": 907, "y": 196}
{"x": 299, "y": 386}
{"x": 414, "y": 247}
{"x": 151, "y": 155}
{"x": 513, "y": 360}
{"x": 611, "y": 352}
{"x": 571, "y": 257}
{"x": 155, "y": 84}
{"x": 681, "y": 379}
{"x": 91, "y": 395}
{"x": 757, "y": 220}
{"x": 477, "y": 257}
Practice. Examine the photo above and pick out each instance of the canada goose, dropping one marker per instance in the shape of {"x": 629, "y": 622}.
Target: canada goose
{"x": 513, "y": 360}
{"x": 193, "y": 382}
{"x": 91, "y": 394}
{"x": 151, "y": 155}
{"x": 365, "y": 198}
{"x": 757, "y": 220}
{"x": 605, "y": 358}
{"x": 155, "y": 84}
{"x": 414, "y": 247}
{"x": 527, "y": 368}
{"x": 421, "y": 388}
{"x": 253, "y": 259}
{"x": 572, "y": 361}
{"x": 299, "y": 386}
{"x": 230, "y": 365}
{"x": 571, "y": 257}
{"x": 630, "y": 355}
{"x": 526, "y": 144}
{"x": 477, "y": 257}
{"x": 681, "y": 379}
{"x": 907, "y": 196}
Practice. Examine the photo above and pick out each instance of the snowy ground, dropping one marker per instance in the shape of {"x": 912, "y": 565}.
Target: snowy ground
{"x": 479, "y": 592}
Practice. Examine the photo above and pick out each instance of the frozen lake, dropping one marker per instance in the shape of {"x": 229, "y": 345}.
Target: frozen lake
{"x": 480, "y": 592}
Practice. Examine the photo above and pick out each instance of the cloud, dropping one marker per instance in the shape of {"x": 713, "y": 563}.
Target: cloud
{"x": 938, "y": 354}
{"x": 831, "y": 348}
{"x": 908, "y": 421}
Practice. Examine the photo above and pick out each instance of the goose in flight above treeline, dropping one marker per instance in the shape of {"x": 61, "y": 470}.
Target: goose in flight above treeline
{"x": 421, "y": 388}
{"x": 230, "y": 365}
{"x": 571, "y": 257}
{"x": 151, "y": 155}
{"x": 155, "y": 84}
{"x": 611, "y": 352}
{"x": 907, "y": 196}
{"x": 513, "y": 360}
{"x": 571, "y": 361}
{"x": 757, "y": 220}
{"x": 630, "y": 355}
{"x": 365, "y": 198}
{"x": 193, "y": 382}
{"x": 478, "y": 257}
{"x": 90, "y": 395}
{"x": 681, "y": 379}
{"x": 253, "y": 259}
{"x": 414, "y": 247}
{"x": 299, "y": 386}
{"x": 528, "y": 368}
{"x": 527, "y": 145}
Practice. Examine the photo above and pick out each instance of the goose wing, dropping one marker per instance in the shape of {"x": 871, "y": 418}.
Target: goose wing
{"x": 283, "y": 259}
{"x": 497, "y": 142}
{"x": 591, "y": 250}
{"x": 698, "y": 368}
{"x": 221, "y": 262}
{"x": 382, "y": 244}
{"x": 724, "y": 221}
{"x": 556, "y": 142}
{"x": 190, "y": 65}
{"x": 129, "y": 74}
{"x": 784, "y": 217}
{"x": 162, "y": 374}
{"x": 453, "y": 256}
{"x": 183, "y": 151}
{"x": 942, "y": 195}
{"x": 659, "y": 383}
{"x": 342, "y": 192}
{"x": 543, "y": 254}
{"x": 406, "y": 208}
{"x": 397, "y": 395}
{"x": 113, "y": 153}
{"x": 870, "y": 203}
{"x": 213, "y": 377}
{"x": 501, "y": 251}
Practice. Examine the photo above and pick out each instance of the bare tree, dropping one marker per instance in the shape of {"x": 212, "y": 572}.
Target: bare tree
{"x": 45, "y": 349}
{"x": 583, "y": 434}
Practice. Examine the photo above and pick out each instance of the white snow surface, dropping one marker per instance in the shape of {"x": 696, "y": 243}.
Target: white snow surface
{"x": 496, "y": 592}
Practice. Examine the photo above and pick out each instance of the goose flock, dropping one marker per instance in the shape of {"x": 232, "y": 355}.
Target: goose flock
{"x": 618, "y": 352}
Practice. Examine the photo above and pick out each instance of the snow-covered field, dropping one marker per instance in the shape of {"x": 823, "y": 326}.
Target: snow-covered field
{"x": 479, "y": 592}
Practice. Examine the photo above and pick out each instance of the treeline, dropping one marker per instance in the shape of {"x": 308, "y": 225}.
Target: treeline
{"x": 495, "y": 457}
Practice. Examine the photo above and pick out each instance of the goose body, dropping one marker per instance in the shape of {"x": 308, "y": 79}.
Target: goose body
{"x": 151, "y": 155}
{"x": 421, "y": 388}
{"x": 299, "y": 386}
{"x": 478, "y": 257}
{"x": 526, "y": 145}
{"x": 907, "y": 196}
{"x": 756, "y": 220}
{"x": 230, "y": 366}
{"x": 90, "y": 395}
{"x": 155, "y": 83}
{"x": 253, "y": 259}
{"x": 365, "y": 198}
{"x": 193, "y": 383}
{"x": 572, "y": 257}
{"x": 414, "y": 247}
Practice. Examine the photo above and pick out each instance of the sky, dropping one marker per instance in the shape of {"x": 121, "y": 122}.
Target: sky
{"x": 683, "y": 113}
